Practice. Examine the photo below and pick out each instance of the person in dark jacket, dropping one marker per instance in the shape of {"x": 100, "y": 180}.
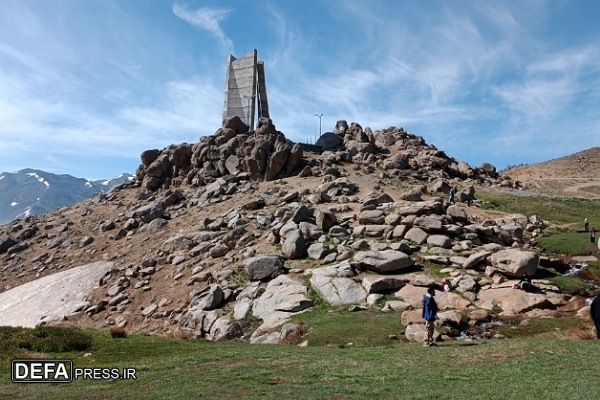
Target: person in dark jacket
{"x": 430, "y": 309}
{"x": 525, "y": 283}
{"x": 595, "y": 313}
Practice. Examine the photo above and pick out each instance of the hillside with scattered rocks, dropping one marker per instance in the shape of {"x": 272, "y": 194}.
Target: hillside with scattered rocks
{"x": 574, "y": 175}
{"x": 226, "y": 238}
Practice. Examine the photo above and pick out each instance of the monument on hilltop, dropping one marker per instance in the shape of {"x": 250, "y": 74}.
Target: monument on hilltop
{"x": 244, "y": 88}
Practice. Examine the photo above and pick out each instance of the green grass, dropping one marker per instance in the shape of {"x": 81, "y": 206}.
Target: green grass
{"x": 339, "y": 328}
{"x": 528, "y": 368}
{"x": 559, "y": 210}
{"x": 549, "y": 327}
{"x": 568, "y": 242}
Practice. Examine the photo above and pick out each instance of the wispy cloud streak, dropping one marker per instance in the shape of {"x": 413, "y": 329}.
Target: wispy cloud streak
{"x": 206, "y": 18}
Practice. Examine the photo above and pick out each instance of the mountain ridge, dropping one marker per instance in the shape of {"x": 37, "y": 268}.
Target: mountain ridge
{"x": 34, "y": 192}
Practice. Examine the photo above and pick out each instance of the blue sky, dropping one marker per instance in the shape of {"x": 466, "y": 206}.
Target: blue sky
{"x": 86, "y": 85}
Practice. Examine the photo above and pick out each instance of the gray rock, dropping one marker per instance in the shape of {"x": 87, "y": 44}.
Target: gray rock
{"x": 224, "y": 329}
{"x": 282, "y": 298}
{"x": 208, "y": 298}
{"x": 86, "y": 240}
{"x": 294, "y": 245}
{"x": 262, "y": 267}
{"x": 329, "y": 141}
{"x": 151, "y": 211}
{"x": 429, "y": 223}
{"x": 440, "y": 241}
{"x": 457, "y": 213}
{"x": 310, "y": 231}
{"x": 232, "y": 163}
{"x": 177, "y": 243}
{"x": 6, "y": 244}
{"x": 338, "y": 291}
{"x": 515, "y": 262}
{"x": 192, "y": 322}
{"x": 383, "y": 261}
{"x": 416, "y": 235}
{"x": 154, "y": 226}
{"x": 338, "y": 231}
{"x": 318, "y": 251}
{"x": 325, "y": 219}
{"x": 218, "y": 251}
{"x": 474, "y": 259}
{"x": 382, "y": 283}
{"x": 376, "y": 217}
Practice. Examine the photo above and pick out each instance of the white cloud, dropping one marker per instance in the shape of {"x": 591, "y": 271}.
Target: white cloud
{"x": 206, "y": 18}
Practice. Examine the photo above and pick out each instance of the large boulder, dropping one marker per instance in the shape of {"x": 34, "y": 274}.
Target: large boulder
{"x": 334, "y": 285}
{"x": 382, "y": 283}
{"x": 6, "y": 244}
{"x": 329, "y": 141}
{"x": 417, "y": 235}
{"x": 151, "y": 211}
{"x": 261, "y": 267}
{"x": 475, "y": 259}
{"x": 376, "y": 217}
{"x": 282, "y": 298}
{"x": 446, "y": 300}
{"x": 512, "y": 301}
{"x": 383, "y": 261}
{"x": 515, "y": 262}
{"x": 208, "y": 298}
{"x": 325, "y": 219}
{"x": 294, "y": 245}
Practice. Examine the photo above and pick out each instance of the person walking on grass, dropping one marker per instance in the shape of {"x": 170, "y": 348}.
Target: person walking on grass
{"x": 595, "y": 314}
{"x": 430, "y": 309}
{"x": 593, "y": 234}
{"x": 586, "y": 225}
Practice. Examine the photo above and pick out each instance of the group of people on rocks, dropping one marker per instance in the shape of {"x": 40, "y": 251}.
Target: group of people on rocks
{"x": 430, "y": 310}
{"x": 430, "y": 307}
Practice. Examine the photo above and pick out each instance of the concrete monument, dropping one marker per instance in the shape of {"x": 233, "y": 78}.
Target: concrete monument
{"x": 244, "y": 88}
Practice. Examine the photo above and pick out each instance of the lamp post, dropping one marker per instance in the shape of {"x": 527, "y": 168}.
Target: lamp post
{"x": 319, "y": 116}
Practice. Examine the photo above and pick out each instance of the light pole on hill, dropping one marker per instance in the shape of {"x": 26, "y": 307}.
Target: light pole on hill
{"x": 319, "y": 116}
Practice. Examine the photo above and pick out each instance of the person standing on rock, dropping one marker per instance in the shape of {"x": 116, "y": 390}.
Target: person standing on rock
{"x": 595, "y": 314}
{"x": 451, "y": 198}
{"x": 430, "y": 309}
{"x": 593, "y": 234}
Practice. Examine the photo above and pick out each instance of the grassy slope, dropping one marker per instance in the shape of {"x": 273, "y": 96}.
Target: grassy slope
{"x": 559, "y": 210}
{"x": 183, "y": 369}
{"x": 540, "y": 365}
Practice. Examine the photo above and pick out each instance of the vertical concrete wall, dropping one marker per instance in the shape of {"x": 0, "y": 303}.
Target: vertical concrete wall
{"x": 263, "y": 103}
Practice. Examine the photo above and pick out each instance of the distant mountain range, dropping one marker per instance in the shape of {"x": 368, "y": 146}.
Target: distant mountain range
{"x": 34, "y": 192}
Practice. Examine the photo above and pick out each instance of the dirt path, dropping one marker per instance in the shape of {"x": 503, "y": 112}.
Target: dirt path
{"x": 50, "y": 297}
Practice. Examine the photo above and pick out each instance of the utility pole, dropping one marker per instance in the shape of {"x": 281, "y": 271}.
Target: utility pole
{"x": 319, "y": 116}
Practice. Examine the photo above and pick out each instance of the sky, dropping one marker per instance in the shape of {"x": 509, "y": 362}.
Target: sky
{"x": 87, "y": 85}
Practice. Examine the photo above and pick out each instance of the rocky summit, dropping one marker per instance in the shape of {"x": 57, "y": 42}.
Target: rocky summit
{"x": 232, "y": 236}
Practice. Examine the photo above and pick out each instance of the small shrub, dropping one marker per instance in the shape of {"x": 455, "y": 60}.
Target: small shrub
{"x": 118, "y": 332}
{"x": 180, "y": 334}
{"x": 296, "y": 336}
{"x": 240, "y": 277}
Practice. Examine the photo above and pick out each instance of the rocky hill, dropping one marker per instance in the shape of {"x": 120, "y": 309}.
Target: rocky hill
{"x": 576, "y": 174}
{"x": 34, "y": 192}
{"x": 225, "y": 238}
